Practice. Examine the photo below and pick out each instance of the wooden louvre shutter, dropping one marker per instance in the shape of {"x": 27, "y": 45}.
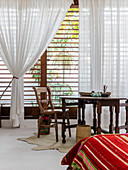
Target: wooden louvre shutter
{"x": 5, "y": 78}
{"x": 31, "y": 78}
{"x": 62, "y": 58}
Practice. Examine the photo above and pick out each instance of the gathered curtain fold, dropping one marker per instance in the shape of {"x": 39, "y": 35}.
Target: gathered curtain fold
{"x": 103, "y": 45}
{"x": 26, "y": 30}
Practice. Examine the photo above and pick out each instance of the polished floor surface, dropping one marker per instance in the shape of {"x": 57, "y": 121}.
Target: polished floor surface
{"x": 17, "y": 155}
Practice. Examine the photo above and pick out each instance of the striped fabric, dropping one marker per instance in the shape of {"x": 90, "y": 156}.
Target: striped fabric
{"x": 44, "y": 131}
{"x": 105, "y": 152}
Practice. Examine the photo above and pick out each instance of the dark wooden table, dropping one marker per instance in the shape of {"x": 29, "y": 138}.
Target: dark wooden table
{"x": 98, "y": 102}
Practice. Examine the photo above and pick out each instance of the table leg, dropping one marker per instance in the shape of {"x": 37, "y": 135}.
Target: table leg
{"x": 111, "y": 120}
{"x": 126, "y": 123}
{"x": 94, "y": 118}
{"x": 83, "y": 113}
{"x": 79, "y": 112}
{"x": 63, "y": 123}
{"x": 99, "y": 117}
{"x": 117, "y": 118}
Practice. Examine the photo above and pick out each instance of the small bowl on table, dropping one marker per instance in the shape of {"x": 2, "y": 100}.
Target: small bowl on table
{"x": 107, "y": 94}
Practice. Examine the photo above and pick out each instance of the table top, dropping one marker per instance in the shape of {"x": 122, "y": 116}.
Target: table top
{"x": 93, "y": 98}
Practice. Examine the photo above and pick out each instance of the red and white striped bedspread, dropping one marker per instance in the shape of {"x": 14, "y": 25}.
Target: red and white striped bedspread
{"x": 99, "y": 152}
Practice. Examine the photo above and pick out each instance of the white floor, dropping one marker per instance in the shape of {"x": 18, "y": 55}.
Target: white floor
{"x": 17, "y": 155}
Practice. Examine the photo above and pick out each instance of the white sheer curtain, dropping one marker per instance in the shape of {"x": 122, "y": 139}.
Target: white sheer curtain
{"x": 26, "y": 29}
{"x": 104, "y": 47}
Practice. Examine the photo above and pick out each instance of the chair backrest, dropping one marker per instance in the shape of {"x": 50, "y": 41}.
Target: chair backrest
{"x": 43, "y": 97}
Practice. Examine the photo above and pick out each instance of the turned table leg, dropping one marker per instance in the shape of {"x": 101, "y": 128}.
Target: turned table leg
{"x": 111, "y": 127}
{"x": 83, "y": 113}
{"x": 99, "y": 117}
{"x": 94, "y": 118}
{"x": 79, "y": 112}
{"x": 117, "y": 118}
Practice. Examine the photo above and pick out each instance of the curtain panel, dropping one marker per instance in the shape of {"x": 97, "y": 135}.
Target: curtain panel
{"x": 26, "y": 29}
{"x": 103, "y": 54}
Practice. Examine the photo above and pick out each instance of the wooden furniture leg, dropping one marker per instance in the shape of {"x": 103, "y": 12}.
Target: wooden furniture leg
{"x": 126, "y": 123}
{"x": 99, "y": 117}
{"x": 39, "y": 127}
{"x": 111, "y": 127}
{"x": 63, "y": 123}
{"x": 117, "y": 118}
{"x": 68, "y": 122}
{"x": 94, "y": 118}
{"x": 56, "y": 127}
{"x": 79, "y": 112}
{"x": 83, "y": 113}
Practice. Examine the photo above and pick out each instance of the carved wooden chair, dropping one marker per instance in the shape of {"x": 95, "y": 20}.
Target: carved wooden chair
{"x": 44, "y": 99}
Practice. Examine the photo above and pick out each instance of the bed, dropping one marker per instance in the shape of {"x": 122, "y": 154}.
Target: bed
{"x": 99, "y": 152}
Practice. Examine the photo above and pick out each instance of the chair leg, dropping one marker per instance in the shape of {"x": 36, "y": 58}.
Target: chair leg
{"x": 56, "y": 127}
{"x": 39, "y": 127}
{"x": 68, "y": 122}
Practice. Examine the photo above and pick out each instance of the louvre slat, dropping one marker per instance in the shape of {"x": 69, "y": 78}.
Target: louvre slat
{"x": 61, "y": 47}
{"x": 31, "y": 77}
{"x": 64, "y": 43}
{"x": 63, "y": 78}
{"x": 73, "y": 38}
{"x": 2, "y": 64}
{"x": 76, "y": 15}
{"x": 68, "y": 29}
{"x": 63, "y": 82}
{"x": 62, "y": 51}
{"x": 60, "y": 69}
{"x": 5, "y": 74}
{"x": 58, "y": 59}
{"x": 59, "y": 64}
{"x": 60, "y": 73}
{"x": 69, "y": 24}
{"x": 67, "y": 34}
{"x": 73, "y": 11}
{"x": 4, "y": 68}
{"x": 24, "y": 90}
{"x": 34, "y": 73}
{"x": 70, "y": 21}
{"x": 62, "y": 56}
{"x": 34, "y": 69}
{"x": 32, "y": 82}
{"x": 61, "y": 86}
